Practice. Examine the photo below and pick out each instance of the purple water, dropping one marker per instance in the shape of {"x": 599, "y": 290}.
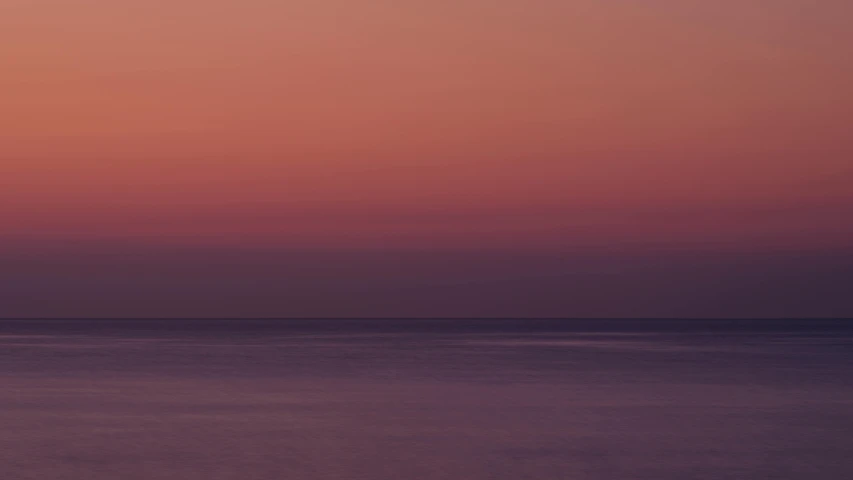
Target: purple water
{"x": 470, "y": 400}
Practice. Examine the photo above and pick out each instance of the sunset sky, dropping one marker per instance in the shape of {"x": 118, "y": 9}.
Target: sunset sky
{"x": 426, "y": 158}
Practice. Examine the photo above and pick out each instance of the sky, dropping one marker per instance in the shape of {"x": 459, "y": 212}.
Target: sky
{"x": 558, "y": 158}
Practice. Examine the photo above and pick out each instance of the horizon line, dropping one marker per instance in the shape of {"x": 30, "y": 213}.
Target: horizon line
{"x": 435, "y": 318}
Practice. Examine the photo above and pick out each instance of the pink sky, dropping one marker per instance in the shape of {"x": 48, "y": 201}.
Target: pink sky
{"x": 537, "y": 125}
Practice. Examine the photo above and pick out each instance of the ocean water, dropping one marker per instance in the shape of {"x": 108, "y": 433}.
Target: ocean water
{"x": 417, "y": 399}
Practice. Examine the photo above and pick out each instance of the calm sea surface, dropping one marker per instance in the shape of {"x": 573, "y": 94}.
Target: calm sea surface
{"x": 414, "y": 399}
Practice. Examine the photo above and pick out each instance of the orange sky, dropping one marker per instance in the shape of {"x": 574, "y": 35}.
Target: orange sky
{"x": 415, "y": 123}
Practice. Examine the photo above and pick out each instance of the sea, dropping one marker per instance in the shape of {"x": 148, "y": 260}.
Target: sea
{"x": 422, "y": 399}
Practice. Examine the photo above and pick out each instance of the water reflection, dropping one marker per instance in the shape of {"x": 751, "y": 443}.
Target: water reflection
{"x": 426, "y": 405}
